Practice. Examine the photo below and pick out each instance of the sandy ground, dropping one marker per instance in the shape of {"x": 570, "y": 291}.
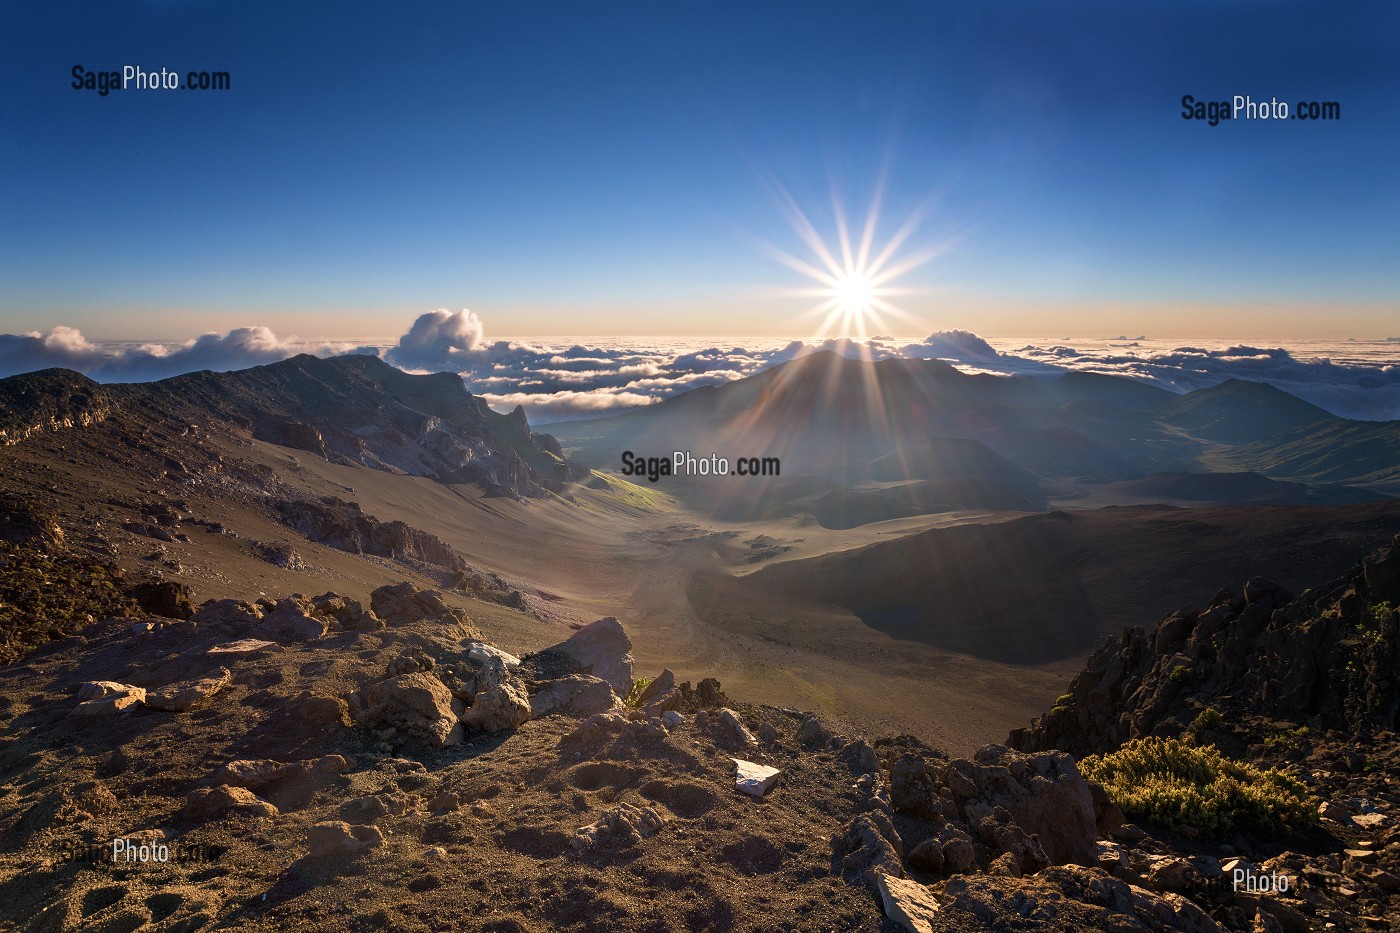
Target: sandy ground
{"x": 662, "y": 570}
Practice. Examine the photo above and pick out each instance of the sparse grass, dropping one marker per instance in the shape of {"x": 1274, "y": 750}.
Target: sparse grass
{"x": 1173, "y": 783}
{"x": 1289, "y": 739}
{"x": 632, "y": 494}
{"x": 634, "y": 696}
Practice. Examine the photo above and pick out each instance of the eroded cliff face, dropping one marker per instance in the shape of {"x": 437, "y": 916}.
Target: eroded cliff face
{"x": 48, "y": 401}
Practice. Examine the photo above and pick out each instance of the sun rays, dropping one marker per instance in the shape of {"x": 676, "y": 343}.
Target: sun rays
{"x": 855, "y": 280}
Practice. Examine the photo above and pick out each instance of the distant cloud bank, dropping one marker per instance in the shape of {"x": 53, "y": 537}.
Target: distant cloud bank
{"x": 557, "y": 382}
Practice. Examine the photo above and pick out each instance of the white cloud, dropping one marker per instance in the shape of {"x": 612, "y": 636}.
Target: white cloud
{"x": 561, "y": 382}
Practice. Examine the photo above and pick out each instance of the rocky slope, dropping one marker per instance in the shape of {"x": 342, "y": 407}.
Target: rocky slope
{"x": 1327, "y": 659}
{"x": 352, "y": 409}
{"x": 322, "y": 763}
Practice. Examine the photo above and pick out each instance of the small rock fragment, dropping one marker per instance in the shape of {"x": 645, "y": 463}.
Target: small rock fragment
{"x": 211, "y": 801}
{"x": 336, "y": 837}
{"x": 907, "y": 903}
{"x": 754, "y": 778}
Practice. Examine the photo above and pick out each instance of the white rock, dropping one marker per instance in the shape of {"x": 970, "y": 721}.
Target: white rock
{"x": 907, "y": 903}
{"x": 480, "y": 652}
{"x": 754, "y": 778}
{"x": 245, "y": 646}
{"x": 672, "y": 718}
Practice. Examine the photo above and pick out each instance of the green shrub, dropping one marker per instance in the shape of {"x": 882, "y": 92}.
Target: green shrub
{"x": 1173, "y": 783}
{"x": 1179, "y": 673}
{"x": 1208, "y": 718}
{"x": 1063, "y": 699}
{"x": 634, "y": 696}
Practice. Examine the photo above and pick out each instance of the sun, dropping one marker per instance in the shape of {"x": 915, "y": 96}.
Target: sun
{"x": 855, "y": 293}
{"x": 854, "y": 279}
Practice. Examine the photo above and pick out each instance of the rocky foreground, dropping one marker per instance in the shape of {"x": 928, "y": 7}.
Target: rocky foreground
{"x": 316, "y": 763}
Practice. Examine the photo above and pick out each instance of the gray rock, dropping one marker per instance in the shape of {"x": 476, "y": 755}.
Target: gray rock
{"x": 502, "y": 705}
{"x": 732, "y": 731}
{"x": 602, "y": 649}
{"x": 575, "y": 695}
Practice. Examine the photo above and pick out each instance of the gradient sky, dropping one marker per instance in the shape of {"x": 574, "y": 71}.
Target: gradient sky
{"x": 606, "y": 169}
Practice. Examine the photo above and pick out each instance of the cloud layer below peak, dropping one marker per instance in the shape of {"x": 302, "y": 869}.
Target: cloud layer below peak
{"x": 559, "y": 381}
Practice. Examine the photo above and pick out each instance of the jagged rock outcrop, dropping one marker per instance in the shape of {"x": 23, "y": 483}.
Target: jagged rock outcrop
{"x": 1328, "y": 658}
{"x": 1001, "y": 810}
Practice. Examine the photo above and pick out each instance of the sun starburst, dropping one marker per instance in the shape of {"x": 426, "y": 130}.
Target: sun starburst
{"x": 855, "y": 281}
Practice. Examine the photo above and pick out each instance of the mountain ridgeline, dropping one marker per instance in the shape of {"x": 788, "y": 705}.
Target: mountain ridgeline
{"x": 348, "y": 409}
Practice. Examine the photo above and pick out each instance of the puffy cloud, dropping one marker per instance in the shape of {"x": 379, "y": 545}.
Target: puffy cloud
{"x": 439, "y": 340}
{"x": 959, "y": 345}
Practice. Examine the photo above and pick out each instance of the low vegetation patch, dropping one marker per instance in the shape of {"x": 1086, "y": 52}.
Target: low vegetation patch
{"x": 1173, "y": 783}
{"x": 47, "y": 592}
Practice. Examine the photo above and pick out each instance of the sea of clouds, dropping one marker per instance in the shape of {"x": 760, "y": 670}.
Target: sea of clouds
{"x": 557, "y": 380}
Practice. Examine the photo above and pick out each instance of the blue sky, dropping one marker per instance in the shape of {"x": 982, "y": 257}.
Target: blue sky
{"x": 606, "y": 168}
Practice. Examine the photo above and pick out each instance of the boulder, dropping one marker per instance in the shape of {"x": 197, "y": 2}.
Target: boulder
{"x": 502, "y": 703}
{"x": 294, "y": 620}
{"x": 105, "y": 697}
{"x": 600, "y": 648}
{"x": 419, "y": 704}
{"x": 480, "y": 653}
{"x": 211, "y": 801}
{"x": 575, "y": 695}
{"x": 812, "y": 734}
{"x": 870, "y": 847}
{"x": 403, "y": 603}
{"x": 182, "y": 697}
{"x": 165, "y": 598}
{"x": 322, "y": 710}
{"x": 230, "y": 613}
{"x": 911, "y": 787}
{"x": 672, "y": 719}
{"x": 105, "y": 689}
